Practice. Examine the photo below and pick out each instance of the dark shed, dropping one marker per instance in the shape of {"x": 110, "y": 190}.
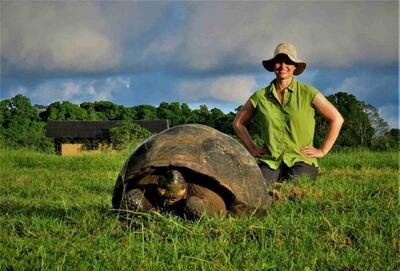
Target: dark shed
{"x": 71, "y": 135}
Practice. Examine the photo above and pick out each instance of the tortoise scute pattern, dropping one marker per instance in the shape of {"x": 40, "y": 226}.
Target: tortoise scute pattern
{"x": 205, "y": 151}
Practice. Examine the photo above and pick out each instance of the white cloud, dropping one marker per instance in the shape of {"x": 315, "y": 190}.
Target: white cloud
{"x": 78, "y": 91}
{"x": 70, "y": 89}
{"x": 226, "y": 89}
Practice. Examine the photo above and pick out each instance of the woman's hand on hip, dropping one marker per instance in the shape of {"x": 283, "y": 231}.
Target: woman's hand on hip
{"x": 309, "y": 151}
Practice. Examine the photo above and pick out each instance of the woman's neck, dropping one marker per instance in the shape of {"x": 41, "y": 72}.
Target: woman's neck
{"x": 282, "y": 84}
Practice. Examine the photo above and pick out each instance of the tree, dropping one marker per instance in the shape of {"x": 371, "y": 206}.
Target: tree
{"x": 356, "y": 131}
{"x": 203, "y": 116}
{"x": 5, "y": 113}
{"x": 108, "y": 110}
{"x": 128, "y": 113}
{"x": 188, "y": 116}
{"x": 64, "y": 111}
{"x": 146, "y": 112}
{"x": 390, "y": 141}
{"x": 220, "y": 121}
{"x": 224, "y": 123}
{"x": 21, "y": 124}
{"x": 380, "y": 126}
{"x": 215, "y": 115}
{"x": 90, "y": 110}
{"x": 170, "y": 111}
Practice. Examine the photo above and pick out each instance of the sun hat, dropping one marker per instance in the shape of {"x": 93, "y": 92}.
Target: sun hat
{"x": 289, "y": 50}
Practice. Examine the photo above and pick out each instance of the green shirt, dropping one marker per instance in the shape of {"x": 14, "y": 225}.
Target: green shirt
{"x": 286, "y": 128}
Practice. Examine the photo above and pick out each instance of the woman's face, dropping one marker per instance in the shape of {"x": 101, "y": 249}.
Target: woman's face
{"x": 284, "y": 67}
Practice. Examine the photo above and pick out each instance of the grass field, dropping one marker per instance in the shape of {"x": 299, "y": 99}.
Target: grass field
{"x": 55, "y": 214}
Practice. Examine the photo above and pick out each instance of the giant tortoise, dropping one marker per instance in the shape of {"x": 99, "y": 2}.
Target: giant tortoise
{"x": 190, "y": 170}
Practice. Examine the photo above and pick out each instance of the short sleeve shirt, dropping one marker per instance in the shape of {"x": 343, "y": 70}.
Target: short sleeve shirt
{"x": 286, "y": 128}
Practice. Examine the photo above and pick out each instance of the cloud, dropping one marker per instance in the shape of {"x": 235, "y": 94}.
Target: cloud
{"x": 225, "y": 89}
{"x": 78, "y": 91}
{"x": 70, "y": 89}
{"x": 375, "y": 87}
{"x": 327, "y": 34}
{"x": 75, "y": 36}
{"x": 57, "y": 36}
{"x": 104, "y": 36}
{"x": 360, "y": 86}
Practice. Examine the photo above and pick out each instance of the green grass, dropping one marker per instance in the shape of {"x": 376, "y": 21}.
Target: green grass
{"x": 55, "y": 214}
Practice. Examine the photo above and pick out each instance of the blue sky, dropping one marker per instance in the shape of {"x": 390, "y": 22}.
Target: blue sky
{"x": 142, "y": 52}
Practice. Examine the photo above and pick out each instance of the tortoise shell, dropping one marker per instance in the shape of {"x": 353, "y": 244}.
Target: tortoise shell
{"x": 205, "y": 156}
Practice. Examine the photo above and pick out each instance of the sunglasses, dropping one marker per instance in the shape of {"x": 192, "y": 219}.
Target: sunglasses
{"x": 282, "y": 58}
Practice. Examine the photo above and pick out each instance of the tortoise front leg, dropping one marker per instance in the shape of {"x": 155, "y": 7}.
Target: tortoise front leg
{"x": 135, "y": 200}
{"x": 204, "y": 201}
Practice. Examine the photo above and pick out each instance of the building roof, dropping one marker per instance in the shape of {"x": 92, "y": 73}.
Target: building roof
{"x": 95, "y": 129}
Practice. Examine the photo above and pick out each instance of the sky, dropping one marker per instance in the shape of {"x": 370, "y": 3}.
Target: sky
{"x": 195, "y": 52}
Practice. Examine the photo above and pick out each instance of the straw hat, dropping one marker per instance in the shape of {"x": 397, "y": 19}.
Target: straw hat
{"x": 289, "y": 50}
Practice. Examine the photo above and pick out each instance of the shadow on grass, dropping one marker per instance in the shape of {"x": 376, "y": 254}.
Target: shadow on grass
{"x": 90, "y": 213}
{"x": 53, "y": 211}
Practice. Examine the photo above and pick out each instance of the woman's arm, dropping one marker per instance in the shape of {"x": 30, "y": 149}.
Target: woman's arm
{"x": 335, "y": 120}
{"x": 239, "y": 126}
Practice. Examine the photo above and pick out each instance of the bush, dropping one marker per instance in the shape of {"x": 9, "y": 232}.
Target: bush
{"x": 127, "y": 133}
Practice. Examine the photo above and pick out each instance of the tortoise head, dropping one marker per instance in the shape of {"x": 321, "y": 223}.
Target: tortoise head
{"x": 172, "y": 187}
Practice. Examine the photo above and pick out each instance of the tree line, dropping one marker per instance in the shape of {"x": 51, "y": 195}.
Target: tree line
{"x": 23, "y": 124}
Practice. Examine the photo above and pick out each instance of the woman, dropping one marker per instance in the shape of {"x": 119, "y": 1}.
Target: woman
{"x": 285, "y": 112}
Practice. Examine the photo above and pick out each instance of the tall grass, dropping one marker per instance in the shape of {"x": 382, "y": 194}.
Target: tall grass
{"x": 55, "y": 214}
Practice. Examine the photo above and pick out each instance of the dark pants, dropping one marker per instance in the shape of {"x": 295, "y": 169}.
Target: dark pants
{"x": 285, "y": 173}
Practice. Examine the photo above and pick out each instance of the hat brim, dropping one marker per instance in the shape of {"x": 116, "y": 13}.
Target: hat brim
{"x": 269, "y": 65}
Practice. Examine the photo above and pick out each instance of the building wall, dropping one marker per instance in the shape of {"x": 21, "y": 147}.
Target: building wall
{"x": 68, "y": 149}
{"x": 71, "y": 149}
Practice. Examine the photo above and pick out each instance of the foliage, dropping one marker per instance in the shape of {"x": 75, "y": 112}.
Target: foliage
{"x": 380, "y": 125}
{"x": 146, "y": 112}
{"x": 56, "y": 215}
{"x": 203, "y": 115}
{"x": 188, "y": 116}
{"x": 390, "y": 141}
{"x": 171, "y": 112}
{"x": 21, "y": 125}
{"x": 64, "y": 111}
{"x": 363, "y": 127}
{"x": 357, "y": 130}
{"x": 127, "y": 133}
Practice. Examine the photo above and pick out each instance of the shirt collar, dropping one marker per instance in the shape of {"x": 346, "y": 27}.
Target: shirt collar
{"x": 292, "y": 87}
